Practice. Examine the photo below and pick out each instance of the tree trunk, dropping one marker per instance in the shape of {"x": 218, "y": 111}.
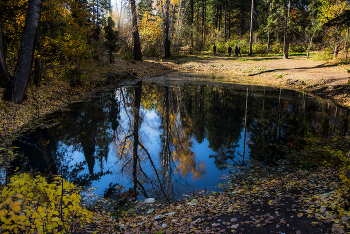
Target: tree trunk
{"x": 135, "y": 32}
{"x": 251, "y": 30}
{"x": 26, "y": 51}
{"x": 285, "y": 35}
{"x": 268, "y": 41}
{"x": 346, "y": 43}
{"x": 5, "y": 79}
{"x": 335, "y": 51}
{"x": 191, "y": 23}
{"x": 166, "y": 31}
{"x": 308, "y": 47}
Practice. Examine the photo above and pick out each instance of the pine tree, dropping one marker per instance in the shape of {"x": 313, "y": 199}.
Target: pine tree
{"x": 111, "y": 38}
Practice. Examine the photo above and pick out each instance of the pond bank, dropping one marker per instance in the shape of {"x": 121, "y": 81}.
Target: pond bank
{"x": 273, "y": 203}
{"x": 297, "y": 202}
{"x": 319, "y": 78}
{"x": 322, "y": 79}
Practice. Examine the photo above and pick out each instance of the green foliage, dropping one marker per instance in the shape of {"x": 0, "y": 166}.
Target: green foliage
{"x": 324, "y": 55}
{"x": 276, "y": 48}
{"x": 297, "y": 48}
{"x": 126, "y": 54}
{"x": 32, "y": 205}
{"x": 111, "y": 38}
{"x": 75, "y": 76}
{"x": 259, "y": 48}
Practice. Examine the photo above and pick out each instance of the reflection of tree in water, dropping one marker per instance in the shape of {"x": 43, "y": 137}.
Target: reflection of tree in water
{"x": 177, "y": 135}
{"x": 217, "y": 113}
{"x": 280, "y": 125}
{"x": 84, "y": 128}
{"x": 273, "y": 127}
{"x": 132, "y": 154}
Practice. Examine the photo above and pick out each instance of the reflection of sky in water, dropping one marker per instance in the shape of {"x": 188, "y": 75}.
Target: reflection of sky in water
{"x": 217, "y": 117}
{"x": 150, "y": 135}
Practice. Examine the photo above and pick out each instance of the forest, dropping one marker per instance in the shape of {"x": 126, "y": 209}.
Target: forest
{"x": 67, "y": 39}
{"x": 55, "y": 55}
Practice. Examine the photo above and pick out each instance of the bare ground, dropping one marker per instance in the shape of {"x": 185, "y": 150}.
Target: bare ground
{"x": 319, "y": 78}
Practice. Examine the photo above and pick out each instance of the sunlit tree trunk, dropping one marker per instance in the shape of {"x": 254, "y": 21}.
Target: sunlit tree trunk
{"x": 335, "y": 51}
{"x": 309, "y": 46}
{"x": 135, "y": 32}
{"x": 26, "y": 51}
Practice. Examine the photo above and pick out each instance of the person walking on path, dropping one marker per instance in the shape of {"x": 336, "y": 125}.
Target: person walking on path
{"x": 229, "y": 51}
{"x": 236, "y": 51}
{"x": 214, "y": 49}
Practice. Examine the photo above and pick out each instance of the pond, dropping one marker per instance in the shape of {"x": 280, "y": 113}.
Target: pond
{"x": 170, "y": 139}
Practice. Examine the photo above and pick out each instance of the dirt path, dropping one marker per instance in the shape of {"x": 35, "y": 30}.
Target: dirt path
{"x": 319, "y": 78}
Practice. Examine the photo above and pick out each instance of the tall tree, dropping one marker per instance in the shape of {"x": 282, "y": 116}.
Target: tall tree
{"x": 166, "y": 30}
{"x": 111, "y": 37}
{"x": 135, "y": 32}
{"x": 26, "y": 52}
{"x": 251, "y": 30}
{"x": 286, "y": 32}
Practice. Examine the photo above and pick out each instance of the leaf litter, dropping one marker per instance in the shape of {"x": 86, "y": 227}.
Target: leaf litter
{"x": 275, "y": 202}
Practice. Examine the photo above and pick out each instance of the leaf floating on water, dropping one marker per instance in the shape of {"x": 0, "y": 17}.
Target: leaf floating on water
{"x": 235, "y": 226}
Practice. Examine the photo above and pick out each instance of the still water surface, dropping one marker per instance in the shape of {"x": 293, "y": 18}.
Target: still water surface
{"x": 168, "y": 140}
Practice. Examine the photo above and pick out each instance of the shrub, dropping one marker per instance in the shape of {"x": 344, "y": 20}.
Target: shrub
{"x": 276, "y": 48}
{"x": 32, "y": 205}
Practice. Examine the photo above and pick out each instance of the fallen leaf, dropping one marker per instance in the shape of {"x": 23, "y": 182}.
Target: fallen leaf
{"x": 235, "y": 226}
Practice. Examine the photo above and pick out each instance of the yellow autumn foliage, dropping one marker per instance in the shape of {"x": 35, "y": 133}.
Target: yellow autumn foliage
{"x": 151, "y": 33}
{"x": 330, "y": 9}
{"x": 32, "y": 205}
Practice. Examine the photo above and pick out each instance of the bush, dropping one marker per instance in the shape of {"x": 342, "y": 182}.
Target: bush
{"x": 259, "y": 48}
{"x": 75, "y": 76}
{"x": 32, "y": 205}
{"x": 296, "y": 48}
{"x": 276, "y": 48}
